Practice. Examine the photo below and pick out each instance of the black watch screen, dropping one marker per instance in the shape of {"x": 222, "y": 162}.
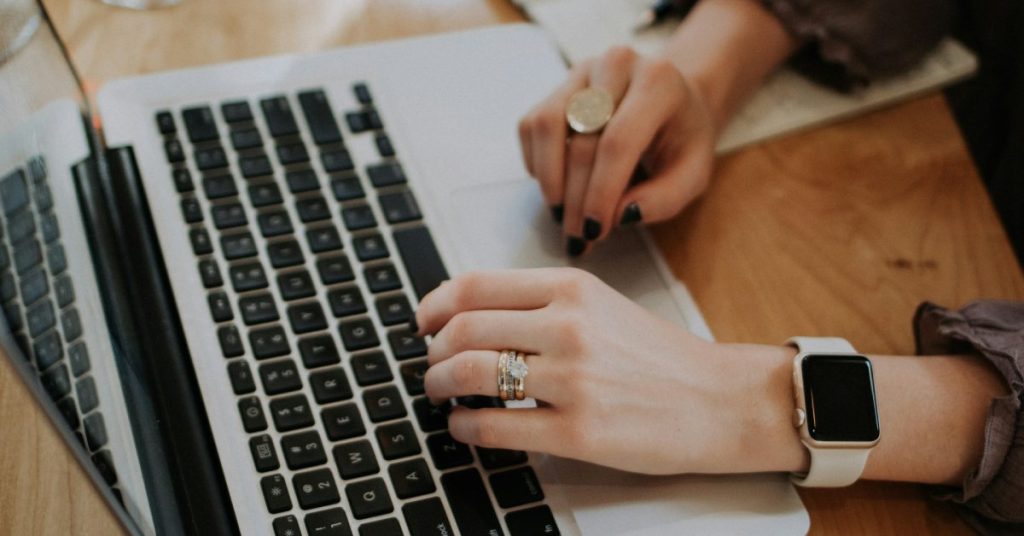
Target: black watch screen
{"x": 839, "y": 392}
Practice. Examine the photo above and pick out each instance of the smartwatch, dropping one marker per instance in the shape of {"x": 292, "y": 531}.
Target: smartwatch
{"x": 836, "y": 410}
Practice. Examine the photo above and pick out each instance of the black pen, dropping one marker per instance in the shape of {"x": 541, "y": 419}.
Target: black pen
{"x": 661, "y": 10}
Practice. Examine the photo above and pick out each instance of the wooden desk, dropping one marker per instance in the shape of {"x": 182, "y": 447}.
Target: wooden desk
{"x": 888, "y": 206}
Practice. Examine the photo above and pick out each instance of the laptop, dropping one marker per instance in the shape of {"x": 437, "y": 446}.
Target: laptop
{"x": 207, "y": 279}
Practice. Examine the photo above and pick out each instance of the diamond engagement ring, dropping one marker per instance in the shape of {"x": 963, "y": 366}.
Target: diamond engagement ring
{"x": 517, "y": 369}
{"x": 512, "y": 372}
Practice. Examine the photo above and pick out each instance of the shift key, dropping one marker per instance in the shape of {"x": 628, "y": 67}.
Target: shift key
{"x": 471, "y": 505}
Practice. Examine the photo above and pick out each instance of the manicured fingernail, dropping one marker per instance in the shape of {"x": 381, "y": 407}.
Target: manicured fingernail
{"x": 575, "y": 246}
{"x": 591, "y": 229}
{"x": 558, "y": 212}
{"x": 631, "y": 215}
{"x": 413, "y": 326}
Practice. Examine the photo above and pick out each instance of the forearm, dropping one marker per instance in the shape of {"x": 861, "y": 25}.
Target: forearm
{"x": 727, "y": 48}
{"x": 932, "y": 411}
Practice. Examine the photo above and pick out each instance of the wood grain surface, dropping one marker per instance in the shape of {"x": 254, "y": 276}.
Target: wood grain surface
{"x": 842, "y": 230}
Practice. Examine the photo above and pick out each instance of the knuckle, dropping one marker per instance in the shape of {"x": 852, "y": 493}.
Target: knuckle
{"x": 612, "y": 143}
{"x": 464, "y": 371}
{"x": 619, "y": 57}
{"x": 464, "y": 288}
{"x": 459, "y": 330}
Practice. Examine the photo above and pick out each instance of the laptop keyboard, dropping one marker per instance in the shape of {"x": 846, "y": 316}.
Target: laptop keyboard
{"x": 40, "y": 307}
{"x": 299, "y": 275}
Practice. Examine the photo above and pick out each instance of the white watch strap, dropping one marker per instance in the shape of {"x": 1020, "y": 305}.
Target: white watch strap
{"x": 833, "y": 468}
{"x": 822, "y": 345}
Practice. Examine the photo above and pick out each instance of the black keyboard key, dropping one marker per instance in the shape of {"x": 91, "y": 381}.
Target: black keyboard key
{"x": 318, "y": 351}
{"x": 303, "y": 450}
{"x": 532, "y": 521}
{"x": 238, "y": 245}
{"x": 393, "y": 309}
{"x": 220, "y": 307}
{"x": 85, "y": 389}
{"x": 242, "y": 381}
{"x": 249, "y": 276}
{"x": 105, "y": 465}
{"x": 48, "y": 349}
{"x": 280, "y": 377}
{"x": 447, "y": 452}
{"x": 210, "y": 158}
{"x": 230, "y": 341}
{"x": 313, "y": 209}
{"x": 302, "y": 180}
{"x": 336, "y": 160}
{"x": 200, "y": 124}
{"x": 374, "y": 119}
{"x": 382, "y": 278}
{"x": 319, "y": 117}
{"x": 264, "y": 194}
{"x": 480, "y": 402}
{"x": 71, "y": 323}
{"x": 200, "y": 242}
{"x": 330, "y": 385}
{"x": 331, "y": 522}
{"x": 268, "y": 342}
{"x": 95, "y": 431}
{"x": 278, "y": 114}
{"x": 57, "y": 382}
{"x": 191, "y": 211}
{"x": 48, "y": 226}
{"x": 284, "y": 254}
{"x": 21, "y": 226}
{"x": 412, "y": 376}
{"x": 27, "y": 255}
{"x": 37, "y": 168}
{"x": 422, "y": 261}
{"x": 400, "y": 207}
{"x": 264, "y": 456}
{"x": 165, "y": 122}
{"x": 516, "y": 487}
{"x": 371, "y": 368}
{"x": 369, "y": 498}
{"x": 358, "y": 121}
{"x": 430, "y": 417}
{"x": 397, "y": 440}
{"x": 347, "y": 188}
{"x": 315, "y": 489}
{"x": 209, "y": 272}
{"x": 384, "y": 403}
{"x": 358, "y": 217}
{"x": 358, "y": 334}
{"x": 296, "y": 285}
{"x": 44, "y": 197}
{"x": 384, "y": 146}
{"x": 427, "y": 518}
{"x": 291, "y": 413}
{"x": 182, "y": 180}
{"x": 255, "y": 166}
{"x": 246, "y": 139}
{"x": 362, "y": 93}
{"x": 307, "y": 317}
{"x": 499, "y": 458}
{"x": 258, "y": 309}
{"x": 411, "y": 478}
{"x": 275, "y": 223}
{"x": 275, "y": 493}
{"x": 323, "y": 239}
{"x": 334, "y": 269}
{"x": 287, "y": 525}
{"x": 69, "y": 411}
{"x": 175, "y": 153}
{"x": 251, "y": 409}
{"x": 292, "y": 153}
{"x": 78, "y": 357}
{"x": 8, "y": 287}
{"x": 228, "y": 216}
{"x": 470, "y": 502}
{"x": 33, "y": 287}
{"x": 370, "y": 247}
{"x": 384, "y": 527}
{"x": 40, "y": 317}
{"x": 12, "y": 312}
{"x": 236, "y": 111}
{"x": 346, "y": 301}
{"x": 57, "y": 260}
{"x": 343, "y": 422}
{"x": 405, "y": 345}
{"x": 218, "y": 187}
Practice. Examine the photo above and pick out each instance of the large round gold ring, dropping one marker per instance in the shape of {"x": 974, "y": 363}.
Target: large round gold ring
{"x": 589, "y": 110}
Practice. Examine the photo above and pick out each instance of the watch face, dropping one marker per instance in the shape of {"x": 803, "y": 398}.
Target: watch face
{"x": 840, "y": 396}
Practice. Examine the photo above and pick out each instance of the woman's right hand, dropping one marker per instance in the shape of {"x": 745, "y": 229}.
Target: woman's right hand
{"x": 661, "y": 120}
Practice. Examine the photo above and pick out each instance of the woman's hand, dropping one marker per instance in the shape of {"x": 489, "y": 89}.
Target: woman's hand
{"x": 661, "y": 120}
{"x": 617, "y": 385}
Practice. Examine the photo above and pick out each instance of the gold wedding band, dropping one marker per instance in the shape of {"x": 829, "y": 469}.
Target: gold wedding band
{"x": 512, "y": 372}
{"x": 589, "y": 110}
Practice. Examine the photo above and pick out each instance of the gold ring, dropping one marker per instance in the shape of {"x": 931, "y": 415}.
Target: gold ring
{"x": 505, "y": 388}
{"x": 589, "y": 110}
{"x": 517, "y": 369}
{"x": 512, "y": 372}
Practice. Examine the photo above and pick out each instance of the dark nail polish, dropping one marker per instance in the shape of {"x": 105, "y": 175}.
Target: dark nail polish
{"x": 631, "y": 215}
{"x": 575, "y": 246}
{"x": 413, "y": 326}
{"x": 558, "y": 212}
{"x": 591, "y": 229}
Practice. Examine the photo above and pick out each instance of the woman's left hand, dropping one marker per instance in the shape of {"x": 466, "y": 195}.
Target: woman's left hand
{"x": 619, "y": 386}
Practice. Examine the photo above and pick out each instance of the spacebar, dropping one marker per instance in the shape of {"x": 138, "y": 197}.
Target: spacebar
{"x": 470, "y": 503}
{"x": 421, "y": 259}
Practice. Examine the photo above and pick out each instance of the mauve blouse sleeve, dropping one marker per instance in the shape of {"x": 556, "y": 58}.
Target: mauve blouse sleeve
{"x": 852, "y": 41}
{"x": 992, "y": 495}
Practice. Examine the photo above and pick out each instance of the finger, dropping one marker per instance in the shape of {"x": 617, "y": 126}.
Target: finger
{"x": 533, "y": 429}
{"x": 628, "y": 134}
{"x": 475, "y": 372}
{"x": 525, "y": 144}
{"x": 547, "y": 136}
{"x": 579, "y": 160}
{"x": 500, "y": 289}
{"x": 525, "y": 331}
{"x": 666, "y": 193}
